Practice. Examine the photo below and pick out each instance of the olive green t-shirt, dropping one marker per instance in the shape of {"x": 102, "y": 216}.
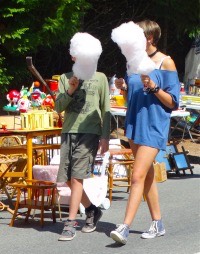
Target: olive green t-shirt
{"x": 88, "y": 109}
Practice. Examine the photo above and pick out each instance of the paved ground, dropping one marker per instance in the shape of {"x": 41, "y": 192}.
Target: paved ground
{"x": 180, "y": 203}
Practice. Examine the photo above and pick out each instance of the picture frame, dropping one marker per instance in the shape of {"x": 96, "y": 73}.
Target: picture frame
{"x": 181, "y": 161}
{"x": 165, "y": 156}
{"x": 171, "y": 148}
{"x": 162, "y": 156}
{"x": 174, "y": 160}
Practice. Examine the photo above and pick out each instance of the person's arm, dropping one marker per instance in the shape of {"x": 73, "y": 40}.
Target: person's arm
{"x": 105, "y": 114}
{"x": 67, "y": 87}
{"x": 164, "y": 97}
{"x": 121, "y": 84}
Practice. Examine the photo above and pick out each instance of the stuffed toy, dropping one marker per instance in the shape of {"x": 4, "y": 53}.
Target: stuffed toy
{"x": 13, "y": 96}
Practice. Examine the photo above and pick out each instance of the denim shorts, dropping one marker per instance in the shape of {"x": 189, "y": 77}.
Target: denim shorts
{"x": 77, "y": 155}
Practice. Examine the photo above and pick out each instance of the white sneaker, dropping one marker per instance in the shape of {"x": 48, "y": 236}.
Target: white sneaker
{"x": 120, "y": 234}
{"x": 156, "y": 229}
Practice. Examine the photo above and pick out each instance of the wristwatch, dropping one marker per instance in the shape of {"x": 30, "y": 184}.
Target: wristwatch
{"x": 154, "y": 90}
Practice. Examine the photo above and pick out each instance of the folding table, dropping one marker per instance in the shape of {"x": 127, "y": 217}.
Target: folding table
{"x": 116, "y": 112}
{"x": 181, "y": 115}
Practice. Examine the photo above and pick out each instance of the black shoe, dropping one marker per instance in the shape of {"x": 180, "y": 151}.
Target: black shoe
{"x": 91, "y": 220}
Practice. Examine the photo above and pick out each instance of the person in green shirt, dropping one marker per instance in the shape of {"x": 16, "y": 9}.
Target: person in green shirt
{"x": 85, "y": 130}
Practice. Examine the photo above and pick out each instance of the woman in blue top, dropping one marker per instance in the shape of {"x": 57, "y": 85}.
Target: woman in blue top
{"x": 150, "y": 100}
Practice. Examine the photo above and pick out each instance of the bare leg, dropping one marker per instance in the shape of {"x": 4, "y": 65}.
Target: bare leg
{"x": 78, "y": 196}
{"x": 85, "y": 200}
{"x": 144, "y": 157}
{"x": 151, "y": 194}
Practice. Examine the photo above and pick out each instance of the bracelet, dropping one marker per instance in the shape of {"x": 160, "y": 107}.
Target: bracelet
{"x": 154, "y": 90}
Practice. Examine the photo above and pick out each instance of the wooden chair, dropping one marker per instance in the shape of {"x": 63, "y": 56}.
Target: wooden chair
{"x": 15, "y": 171}
{"x": 114, "y": 181}
{"x": 119, "y": 156}
{"x": 42, "y": 197}
{"x": 10, "y": 141}
{"x": 12, "y": 169}
{"x": 49, "y": 173}
{"x": 5, "y": 207}
{"x": 13, "y": 140}
{"x": 5, "y": 166}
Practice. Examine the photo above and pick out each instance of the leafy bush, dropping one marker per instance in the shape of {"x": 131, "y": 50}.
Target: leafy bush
{"x": 28, "y": 26}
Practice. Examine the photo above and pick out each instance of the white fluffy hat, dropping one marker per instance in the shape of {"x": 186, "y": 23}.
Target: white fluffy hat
{"x": 132, "y": 42}
{"x": 87, "y": 50}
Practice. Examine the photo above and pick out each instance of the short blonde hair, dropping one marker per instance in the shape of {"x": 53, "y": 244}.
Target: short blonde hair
{"x": 151, "y": 28}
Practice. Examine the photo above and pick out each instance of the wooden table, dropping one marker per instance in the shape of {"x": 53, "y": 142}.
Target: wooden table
{"x": 29, "y": 147}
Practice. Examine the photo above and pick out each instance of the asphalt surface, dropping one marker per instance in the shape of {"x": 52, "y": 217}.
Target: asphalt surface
{"x": 180, "y": 205}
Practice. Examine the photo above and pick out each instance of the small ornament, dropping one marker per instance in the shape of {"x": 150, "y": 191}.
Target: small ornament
{"x": 13, "y": 97}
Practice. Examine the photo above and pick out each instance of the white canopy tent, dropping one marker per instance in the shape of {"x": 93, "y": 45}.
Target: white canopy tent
{"x": 192, "y": 64}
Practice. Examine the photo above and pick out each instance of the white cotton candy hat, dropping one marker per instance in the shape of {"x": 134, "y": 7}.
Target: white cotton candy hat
{"x": 130, "y": 38}
{"x": 87, "y": 50}
{"x": 132, "y": 42}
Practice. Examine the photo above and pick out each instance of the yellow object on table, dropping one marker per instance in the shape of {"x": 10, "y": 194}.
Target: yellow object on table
{"x": 56, "y": 77}
{"x": 118, "y": 100}
{"x": 190, "y": 99}
{"x": 37, "y": 119}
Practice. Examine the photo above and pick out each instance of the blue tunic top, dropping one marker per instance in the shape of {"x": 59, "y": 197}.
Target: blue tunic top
{"x": 147, "y": 119}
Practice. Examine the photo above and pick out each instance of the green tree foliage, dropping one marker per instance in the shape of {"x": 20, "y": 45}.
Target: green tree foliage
{"x": 42, "y": 29}
{"x": 104, "y": 16}
{"x": 179, "y": 21}
{"x": 182, "y": 16}
{"x": 29, "y": 26}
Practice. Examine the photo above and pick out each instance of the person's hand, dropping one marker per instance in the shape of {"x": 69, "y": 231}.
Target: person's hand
{"x": 120, "y": 83}
{"x": 73, "y": 85}
{"x": 103, "y": 146}
{"x": 148, "y": 83}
